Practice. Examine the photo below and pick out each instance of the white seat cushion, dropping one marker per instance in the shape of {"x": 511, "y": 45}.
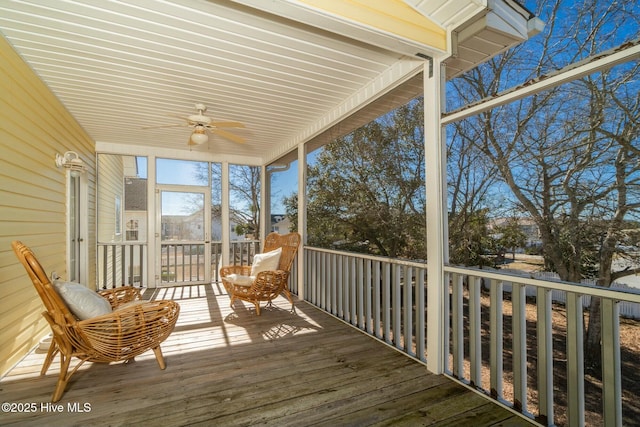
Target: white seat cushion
{"x": 238, "y": 279}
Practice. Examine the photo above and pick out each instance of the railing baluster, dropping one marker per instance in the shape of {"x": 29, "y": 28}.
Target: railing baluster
{"x": 335, "y": 289}
{"x": 408, "y": 311}
{"x": 142, "y": 271}
{"x": 545, "y": 356}
{"x": 311, "y": 263}
{"x": 519, "y": 333}
{"x": 313, "y": 278}
{"x": 457, "y": 324}
{"x": 234, "y": 256}
{"x": 360, "y": 290}
{"x": 420, "y": 316}
{"x": 189, "y": 263}
{"x": 168, "y": 263}
{"x": 353, "y": 286}
{"x": 113, "y": 266}
{"x": 386, "y": 302}
{"x": 346, "y": 301}
{"x": 475, "y": 333}
{"x": 575, "y": 360}
{"x": 123, "y": 269}
{"x": 611, "y": 379}
{"x": 346, "y": 273}
{"x": 182, "y": 259}
{"x": 105, "y": 267}
{"x": 396, "y": 301}
{"x": 377, "y": 289}
{"x": 339, "y": 290}
{"x": 496, "y": 335}
{"x": 130, "y": 267}
{"x": 368, "y": 313}
{"x": 327, "y": 282}
{"x": 324, "y": 285}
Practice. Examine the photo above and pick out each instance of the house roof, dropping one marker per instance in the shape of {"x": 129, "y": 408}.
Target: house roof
{"x": 287, "y": 69}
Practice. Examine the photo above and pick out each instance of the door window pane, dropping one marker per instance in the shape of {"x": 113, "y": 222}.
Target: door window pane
{"x": 182, "y": 216}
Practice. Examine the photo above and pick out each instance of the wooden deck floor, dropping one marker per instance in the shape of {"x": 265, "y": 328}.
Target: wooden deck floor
{"x": 229, "y": 368}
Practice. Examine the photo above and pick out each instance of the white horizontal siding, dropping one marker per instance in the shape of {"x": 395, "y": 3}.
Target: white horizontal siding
{"x": 35, "y": 126}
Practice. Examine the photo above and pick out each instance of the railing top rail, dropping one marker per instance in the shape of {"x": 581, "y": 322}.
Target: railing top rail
{"x": 621, "y": 294}
{"x": 169, "y": 242}
{"x": 129, "y": 243}
{"x": 416, "y": 264}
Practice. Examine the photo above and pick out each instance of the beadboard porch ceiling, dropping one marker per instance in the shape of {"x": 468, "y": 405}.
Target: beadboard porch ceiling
{"x": 286, "y": 69}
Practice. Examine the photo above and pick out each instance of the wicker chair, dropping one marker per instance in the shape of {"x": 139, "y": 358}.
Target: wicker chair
{"x": 267, "y": 285}
{"x": 121, "y": 335}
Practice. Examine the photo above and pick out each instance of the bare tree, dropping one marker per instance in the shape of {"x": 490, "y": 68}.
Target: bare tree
{"x": 570, "y": 155}
{"x": 470, "y": 176}
{"x": 244, "y": 185}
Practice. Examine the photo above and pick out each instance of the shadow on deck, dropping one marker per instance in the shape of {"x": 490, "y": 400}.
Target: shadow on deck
{"x": 228, "y": 367}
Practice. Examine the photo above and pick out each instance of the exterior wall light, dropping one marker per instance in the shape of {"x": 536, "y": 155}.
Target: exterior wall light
{"x": 70, "y": 160}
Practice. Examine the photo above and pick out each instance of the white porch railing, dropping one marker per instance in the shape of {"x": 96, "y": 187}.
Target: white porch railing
{"x": 121, "y": 264}
{"x": 382, "y": 296}
{"x": 500, "y": 341}
{"x": 125, "y": 263}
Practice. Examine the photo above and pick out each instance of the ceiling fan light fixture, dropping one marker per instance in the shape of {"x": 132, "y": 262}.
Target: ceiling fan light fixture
{"x": 199, "y": 135}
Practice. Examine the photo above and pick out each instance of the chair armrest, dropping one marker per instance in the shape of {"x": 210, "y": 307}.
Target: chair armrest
{"x": 121, "y": 295}
{"x": 270, "y": 279}
{"x": 242, "y": 270}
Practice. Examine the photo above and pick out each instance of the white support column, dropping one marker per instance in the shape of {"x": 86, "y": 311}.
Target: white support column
{"x": 435, "y": 163}
{"x": 153, "y": 232}
{"x": 226, "y": 233}
{"x": 302, "y": 215}
{"x": 265, "y": 203}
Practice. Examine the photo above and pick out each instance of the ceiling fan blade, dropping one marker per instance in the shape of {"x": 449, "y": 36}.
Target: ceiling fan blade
{"x": 229, "y": 136}
{"x": 186, "y": 119}
{"x": 227, "y": 124}
{"x": 164, "y": 126}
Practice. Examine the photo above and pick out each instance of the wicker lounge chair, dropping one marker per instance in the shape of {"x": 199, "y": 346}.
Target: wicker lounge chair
{"x": 131, "y": 328}
{"x": 241, "y": 284}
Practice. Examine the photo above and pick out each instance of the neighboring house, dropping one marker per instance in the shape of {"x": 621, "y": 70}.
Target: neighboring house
{"x": 280, "y": 223}
{"x": 135, "y": 209}
{"x": 189, "y": 226}
{"x": 527, "y": 225}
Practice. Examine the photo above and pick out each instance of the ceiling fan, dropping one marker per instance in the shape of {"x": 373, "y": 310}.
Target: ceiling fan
{"x": 202, "y": 125}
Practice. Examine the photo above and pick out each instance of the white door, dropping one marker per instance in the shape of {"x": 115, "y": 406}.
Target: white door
{"x": 184, "y": 245}
{"x": 77, "y": 228}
